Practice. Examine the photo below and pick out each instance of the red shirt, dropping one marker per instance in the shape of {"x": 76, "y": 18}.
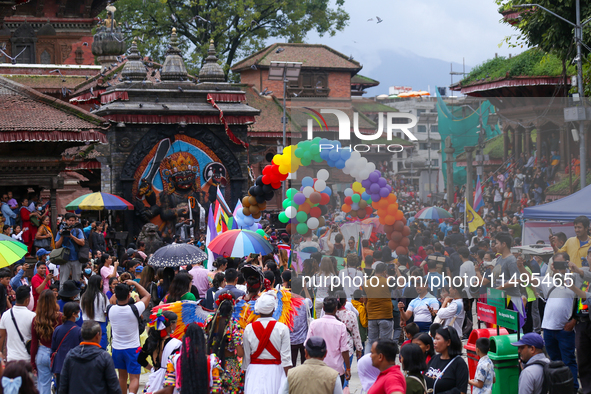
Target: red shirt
{"x": 389, "y": 381}
{"x": 36, "y": 281}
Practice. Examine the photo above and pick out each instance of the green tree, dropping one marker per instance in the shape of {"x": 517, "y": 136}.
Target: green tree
{"x": 238, "y": 27}
{"x": 538, "y": 28}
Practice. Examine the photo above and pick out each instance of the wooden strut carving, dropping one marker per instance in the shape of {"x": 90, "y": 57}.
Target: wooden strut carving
{"x": 231, "y": 135}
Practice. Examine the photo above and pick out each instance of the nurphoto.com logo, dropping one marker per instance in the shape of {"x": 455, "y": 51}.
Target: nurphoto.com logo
{"x": 345, "y": 130}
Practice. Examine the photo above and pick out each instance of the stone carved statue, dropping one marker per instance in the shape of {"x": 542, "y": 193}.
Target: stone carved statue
{"x": 149, "y": 236}
{"x": 448, "y": 142}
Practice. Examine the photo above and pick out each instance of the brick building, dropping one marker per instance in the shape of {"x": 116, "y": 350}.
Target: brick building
{"x": 328, "y": 79}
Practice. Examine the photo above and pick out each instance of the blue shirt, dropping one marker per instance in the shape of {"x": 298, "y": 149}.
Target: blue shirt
{"x": 61, "y": 303}
{"x": 435, "y": 284}
{"x": 69, "y": 243}
{"x": 9, "y": 216}
{"x": 71, "y": 341}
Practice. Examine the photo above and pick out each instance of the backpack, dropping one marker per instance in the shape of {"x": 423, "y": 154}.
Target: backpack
{"x": 140, "y": 323}
{"x": 558, "y": 379}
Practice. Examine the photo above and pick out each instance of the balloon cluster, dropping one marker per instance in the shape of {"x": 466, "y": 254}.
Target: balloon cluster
{"x": 304, "y": 209}
{"x": 257, "y": 198}
{"x": 308, "y": 151}
{"x": 394, "y": 224}
{"x": 334, "y": 157}
{"x": 376, "y": 186}
{"x": 358, "y": 167}
{"x": 246, "y": 222}
{"x": 357, "y": 202}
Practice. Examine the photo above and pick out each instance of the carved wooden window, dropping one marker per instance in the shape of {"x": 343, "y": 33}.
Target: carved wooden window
{"x": 79, "y": 55}
{"x": 27, "y": 57}
{"x": 310, "y": 84}
{"x": 45, "y": 57}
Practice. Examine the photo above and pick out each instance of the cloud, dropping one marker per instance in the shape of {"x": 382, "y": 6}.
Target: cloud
{"x": 448, "y": 30}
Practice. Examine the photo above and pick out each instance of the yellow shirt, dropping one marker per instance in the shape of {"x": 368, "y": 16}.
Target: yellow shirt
{"x": 574, "y": 250}
{"x": 362, "y": 312}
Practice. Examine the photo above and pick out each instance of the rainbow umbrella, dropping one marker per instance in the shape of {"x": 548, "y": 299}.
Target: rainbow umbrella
{"x": 433, "y": 213}
{"x": 11, "y": 250}
{"x": 98, "y": 202}
{"x": 239, "y": 243}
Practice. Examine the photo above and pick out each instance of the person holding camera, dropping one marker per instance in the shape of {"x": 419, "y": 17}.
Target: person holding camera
{"x": 124, "y": 320}
{"x": 70, "y": 237}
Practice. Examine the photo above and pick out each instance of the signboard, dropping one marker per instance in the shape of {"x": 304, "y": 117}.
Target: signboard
{"x": 495, "y": 298}
{"x": 486, "y": 313}
{"x": 508, "y": 319}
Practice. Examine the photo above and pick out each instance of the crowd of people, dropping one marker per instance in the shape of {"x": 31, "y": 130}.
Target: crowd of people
{"x": 87, "y": 325}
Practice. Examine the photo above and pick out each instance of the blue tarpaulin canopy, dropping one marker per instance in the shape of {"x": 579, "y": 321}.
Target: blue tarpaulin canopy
{"x": 567, "y": 208}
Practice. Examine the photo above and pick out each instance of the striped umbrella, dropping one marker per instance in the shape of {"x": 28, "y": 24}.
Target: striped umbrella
{"x": 98, "y": 202}
{"x": 11, "y": 250}
{"x": 433, "y": 213}
{"x": 239, "y": 243}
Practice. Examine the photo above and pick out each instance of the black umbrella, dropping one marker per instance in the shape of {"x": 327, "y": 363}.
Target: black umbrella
{"x": 176, "y": 255}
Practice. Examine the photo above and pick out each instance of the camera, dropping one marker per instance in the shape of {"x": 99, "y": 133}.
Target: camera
{"x": 66, "y": 230}
{"x": 560, "y": 265}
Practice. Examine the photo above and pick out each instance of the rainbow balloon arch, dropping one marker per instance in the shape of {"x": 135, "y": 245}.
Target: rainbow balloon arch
{"x": 303, "y": 209}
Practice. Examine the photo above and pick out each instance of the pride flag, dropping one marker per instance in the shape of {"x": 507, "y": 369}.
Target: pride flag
{"x": 478, "y": 200}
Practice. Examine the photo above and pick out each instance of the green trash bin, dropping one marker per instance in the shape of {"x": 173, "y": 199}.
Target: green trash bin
{"x": 506, "y": 362}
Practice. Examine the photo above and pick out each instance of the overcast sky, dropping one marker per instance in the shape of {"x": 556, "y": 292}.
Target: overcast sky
{"x": 443, "y": 29}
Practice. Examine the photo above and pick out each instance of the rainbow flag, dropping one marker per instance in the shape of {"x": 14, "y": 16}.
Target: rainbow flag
{"x": 478, "y": 200}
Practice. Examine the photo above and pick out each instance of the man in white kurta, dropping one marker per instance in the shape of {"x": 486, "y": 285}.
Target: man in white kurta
{"x": 267, "y": 349}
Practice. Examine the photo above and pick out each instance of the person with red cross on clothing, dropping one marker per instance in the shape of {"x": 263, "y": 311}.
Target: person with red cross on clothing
{"x": 267, "y": 349}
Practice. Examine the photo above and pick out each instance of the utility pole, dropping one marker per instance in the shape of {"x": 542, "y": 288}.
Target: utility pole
{"x": 578, "y": 26}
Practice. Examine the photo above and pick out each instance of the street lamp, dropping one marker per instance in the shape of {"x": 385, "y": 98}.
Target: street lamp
{"x": 429, "y": 118}
{"x": 286, "y": 72}
{"x": 579, "y": 40}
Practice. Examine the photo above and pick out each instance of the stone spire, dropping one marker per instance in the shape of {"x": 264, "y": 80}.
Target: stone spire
{"x": 211, "y": 70}
{"x": 134, "y": 67}
{"x": 174, "y": 66}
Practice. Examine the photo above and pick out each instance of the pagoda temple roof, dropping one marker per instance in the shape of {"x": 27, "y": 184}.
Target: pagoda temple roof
{"x": 30, "y": 116}
{"x": 311, "y": 55}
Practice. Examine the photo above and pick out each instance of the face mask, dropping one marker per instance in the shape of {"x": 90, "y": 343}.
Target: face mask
{"x": 40, "y": 208}
{"x": 87, "y": 271}
{"x": 78, "y": 317}
{"x": 47, "y": 258}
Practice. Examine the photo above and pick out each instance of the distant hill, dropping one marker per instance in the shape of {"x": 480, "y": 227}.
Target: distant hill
{"x": 399, "y": 67}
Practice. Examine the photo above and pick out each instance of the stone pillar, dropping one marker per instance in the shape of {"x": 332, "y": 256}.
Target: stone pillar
{"x": 539, "y": 146}
{"x": 528, "y": 139}
{"x": 564, "y": 154}
{"x": 56, "y": 183}
{"x": 469, "y": 158}
{"x": 505, "y": 144}
{"x": 449, "y": 155}
{"x": 519, "y": 147}
{"x": 514, "y": 150}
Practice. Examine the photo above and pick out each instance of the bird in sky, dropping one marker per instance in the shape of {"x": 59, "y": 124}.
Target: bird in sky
{"x": 370, "y": 20}
{"x": 57, "y": 70}
{"x": 254, "y": 67}
{"x": 380, "y": 20}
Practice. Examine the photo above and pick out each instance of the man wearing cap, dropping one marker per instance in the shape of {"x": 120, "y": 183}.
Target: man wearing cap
{"x": 313, "y": 376}
{"x": 530, "y": 350}
{"x": 267, "y": 350}
{"x": 40, "y": 281}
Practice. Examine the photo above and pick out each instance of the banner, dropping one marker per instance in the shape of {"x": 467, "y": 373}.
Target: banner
{"x": 486, "y": 313}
